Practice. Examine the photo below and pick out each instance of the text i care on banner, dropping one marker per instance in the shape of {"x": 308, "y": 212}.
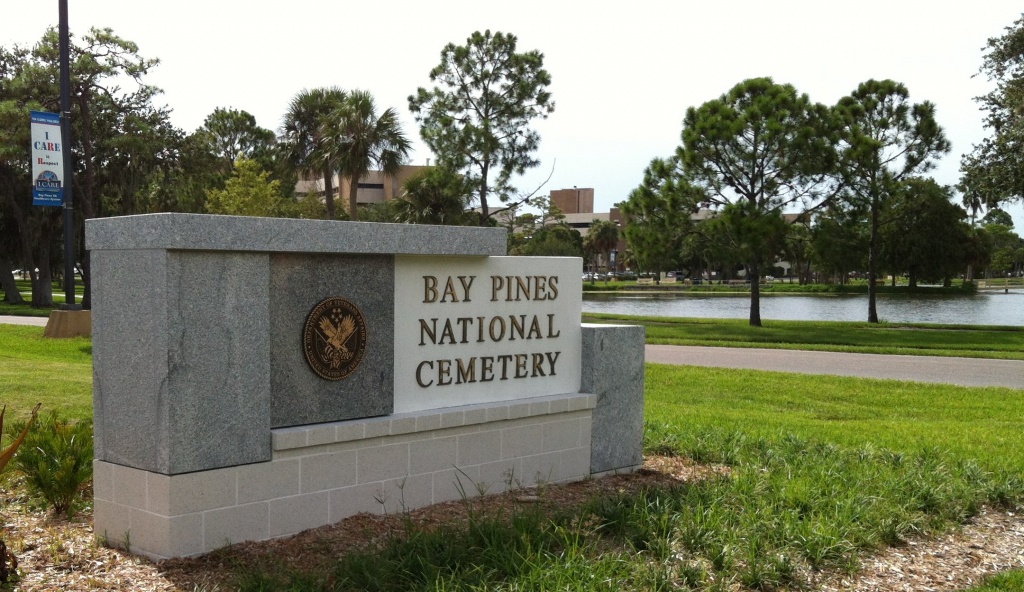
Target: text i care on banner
{"x": 47, "y": 160}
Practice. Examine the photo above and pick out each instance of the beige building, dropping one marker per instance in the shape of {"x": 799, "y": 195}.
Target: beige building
{"x": 577, "y": 205}
{"x": 374, "y": 187}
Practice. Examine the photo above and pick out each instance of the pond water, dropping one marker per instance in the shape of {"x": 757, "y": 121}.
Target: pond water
{"x": 988, "y": 308}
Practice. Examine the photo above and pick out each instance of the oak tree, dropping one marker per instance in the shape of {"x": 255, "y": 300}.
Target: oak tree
{"x": 993, "y": 172}
{"x": 924, "y": 233}
{"x": 120, "y": 134}
{"x": 250, "y": 192}
{"x": 230, "y": 134}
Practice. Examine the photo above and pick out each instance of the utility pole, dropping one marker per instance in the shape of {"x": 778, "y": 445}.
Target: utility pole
{"x": 65, "y": 128}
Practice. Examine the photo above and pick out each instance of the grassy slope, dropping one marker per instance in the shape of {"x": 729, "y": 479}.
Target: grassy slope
{"x": 884, "y": 338}
{"x": 986, "y": 424}
{"x": 723, "y": 415}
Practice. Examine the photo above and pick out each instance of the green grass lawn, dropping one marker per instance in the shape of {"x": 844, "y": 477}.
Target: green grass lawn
{"x": 55, "y": 372}
{"x": 25, "y": 310}
{"x": 965, "y": 439}
{"x": 881, "y": 338}
{"x": 984, "y": 424}
{"x": 824, "y": 471}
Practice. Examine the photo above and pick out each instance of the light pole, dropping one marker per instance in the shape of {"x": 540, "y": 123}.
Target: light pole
{"x": 65, "y": 130}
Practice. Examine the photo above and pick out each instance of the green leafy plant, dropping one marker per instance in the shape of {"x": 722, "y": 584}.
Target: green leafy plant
{"x": 56, "y": 461}
{"x": 8, "y": 562}
{"x": 8, "y": 453}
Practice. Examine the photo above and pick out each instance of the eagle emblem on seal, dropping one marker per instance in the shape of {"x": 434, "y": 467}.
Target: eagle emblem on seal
{"x": 334, "y": 338}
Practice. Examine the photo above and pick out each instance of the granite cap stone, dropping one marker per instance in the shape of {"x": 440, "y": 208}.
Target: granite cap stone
{"x": 206, "y": 232}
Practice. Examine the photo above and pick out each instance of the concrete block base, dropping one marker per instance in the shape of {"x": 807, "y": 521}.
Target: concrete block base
{"x": 68, "y": 323}
{"x": 321, "y": 474}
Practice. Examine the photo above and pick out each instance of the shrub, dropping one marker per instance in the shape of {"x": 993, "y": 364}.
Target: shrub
{"x": 56, "y": 460}
{"x": 8, "y": 562}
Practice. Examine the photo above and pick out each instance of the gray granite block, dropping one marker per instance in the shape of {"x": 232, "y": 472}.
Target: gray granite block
{"x": 219, "y": 331}
{"x": 284, "y": 235}
{"x": 180, "y": 359}
{"x": 129, "y": 357}
{"x": 297, "y": 284}
{"x": 613, "y": 370}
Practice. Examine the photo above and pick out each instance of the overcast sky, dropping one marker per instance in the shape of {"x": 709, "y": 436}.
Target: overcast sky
{"x": 623, "y": 73}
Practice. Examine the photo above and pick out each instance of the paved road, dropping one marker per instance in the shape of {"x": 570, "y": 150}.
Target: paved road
{"x": 10, "y": 320}
{"x": 962, "y": 371}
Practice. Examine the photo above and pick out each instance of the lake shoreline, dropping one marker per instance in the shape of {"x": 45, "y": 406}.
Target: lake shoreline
{"x": 982, "y": 308}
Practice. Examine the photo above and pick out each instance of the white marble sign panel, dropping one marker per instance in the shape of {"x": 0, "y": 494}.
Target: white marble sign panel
{"x": 480, "y": 330}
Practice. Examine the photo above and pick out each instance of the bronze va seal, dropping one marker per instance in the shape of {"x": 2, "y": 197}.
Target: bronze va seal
{"x": 334, "y": 338}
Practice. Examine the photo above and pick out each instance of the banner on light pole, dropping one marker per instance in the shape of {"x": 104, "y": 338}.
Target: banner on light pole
{"x": 47, "y": 160}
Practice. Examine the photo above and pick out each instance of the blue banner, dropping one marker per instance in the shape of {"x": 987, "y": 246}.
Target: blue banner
{"x": 47, "y": 160}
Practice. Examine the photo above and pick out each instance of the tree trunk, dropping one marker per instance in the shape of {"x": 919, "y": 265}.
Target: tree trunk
{"x": 353, "y": 203}
{"x": 42, "y": 284}
{"x": 26, "y": 241}
{"x": 754, "y": 273}
{"x": 873, "y": 262}
{"x": 329, "y": 194}
{"x": 485, "y": 214}
{"x": 11, "y": 293}
{"x": 912, "y": 279}
{"x": 45, "y": 282}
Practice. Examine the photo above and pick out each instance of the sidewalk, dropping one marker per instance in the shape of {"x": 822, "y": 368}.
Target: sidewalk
{"x": 960, "y": 371}
{"x": 12, "y": 320}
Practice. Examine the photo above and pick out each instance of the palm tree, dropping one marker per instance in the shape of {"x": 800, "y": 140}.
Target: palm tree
{"x": 360, "y": 140}
{"x": 602, "y": 238}
{"x": 437, "y": 195}
{"x": 302, "y": 139}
